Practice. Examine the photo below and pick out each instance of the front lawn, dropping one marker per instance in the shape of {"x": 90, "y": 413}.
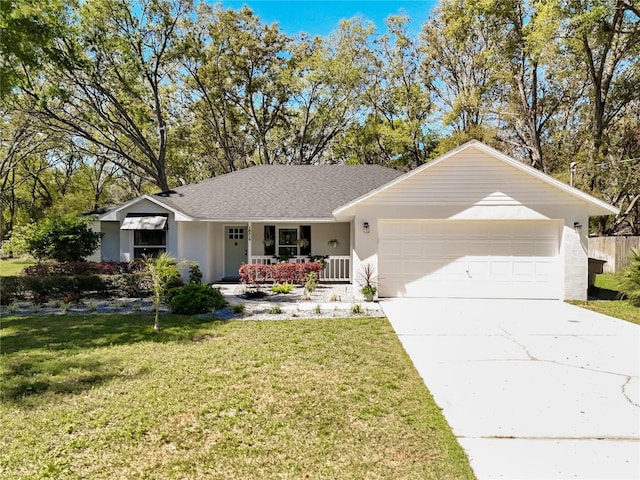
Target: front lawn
{"x": 14, "y": 266}
{"x": 102, "y": 396}
{"x": 607, "y": 300}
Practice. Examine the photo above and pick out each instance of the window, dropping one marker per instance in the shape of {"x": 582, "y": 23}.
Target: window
{"x": 287, "y": 242}
{"x": 236, "y": 233}
{"x": 149, "y": 242}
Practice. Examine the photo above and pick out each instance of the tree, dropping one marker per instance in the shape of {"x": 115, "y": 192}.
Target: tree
{"x": 163, "y": 271}
{"x": 390, "y": 127}
{"x": 458, "y": 67}
{"x": 330, "y": 78}
{"x": 239, "y": 74}
{"x": 64, "y": 239}
{"x": 23, "y": 147}
{"x": 29, "y": 29}
{"x": 110, "y": 83}
{"x": 510, "y": 73}
{"x": 604, "y": 39}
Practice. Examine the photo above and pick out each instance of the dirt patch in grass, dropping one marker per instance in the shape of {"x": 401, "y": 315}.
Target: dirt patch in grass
{"x": 235, "y": 400}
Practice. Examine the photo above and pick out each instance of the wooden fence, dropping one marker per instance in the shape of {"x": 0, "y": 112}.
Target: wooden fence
{"x": 615, "y": 250}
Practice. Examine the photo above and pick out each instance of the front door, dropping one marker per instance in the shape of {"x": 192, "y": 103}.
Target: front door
{"x": 235, "y": 250}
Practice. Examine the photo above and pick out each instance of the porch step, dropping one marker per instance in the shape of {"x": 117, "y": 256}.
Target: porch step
{"x": 231, "y": 279}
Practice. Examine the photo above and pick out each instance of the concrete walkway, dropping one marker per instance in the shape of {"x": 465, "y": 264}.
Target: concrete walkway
{"x": 532, "y": 389}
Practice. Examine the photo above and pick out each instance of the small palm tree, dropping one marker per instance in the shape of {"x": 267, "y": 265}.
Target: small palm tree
{"x": 163, "y": 270}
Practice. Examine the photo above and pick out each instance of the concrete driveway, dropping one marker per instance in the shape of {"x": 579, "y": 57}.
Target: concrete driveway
{"x": 533, "y": 389}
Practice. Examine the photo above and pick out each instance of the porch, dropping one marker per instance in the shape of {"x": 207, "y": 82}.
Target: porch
{"x": 337, "y": 267}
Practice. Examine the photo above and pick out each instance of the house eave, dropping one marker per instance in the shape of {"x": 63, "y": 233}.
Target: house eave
{"x": 243, "y": 220}
{"x": 112, "y": 215}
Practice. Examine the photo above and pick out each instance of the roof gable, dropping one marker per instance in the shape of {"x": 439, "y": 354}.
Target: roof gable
{"x": 113, "y": 213}
{"x": 476, "y": 174}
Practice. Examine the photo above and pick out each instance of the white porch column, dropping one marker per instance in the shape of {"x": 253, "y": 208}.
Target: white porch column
{"x": 249, "y": 242}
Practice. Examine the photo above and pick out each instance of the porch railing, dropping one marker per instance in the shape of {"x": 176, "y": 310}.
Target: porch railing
{"x": 337, "y": 269}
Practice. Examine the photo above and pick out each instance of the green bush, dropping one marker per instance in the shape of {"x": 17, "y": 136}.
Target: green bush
{"x": 195, "y": 274}
{"x": 192, "y": 299}
{"x": 91, "y": 283}
{"x": 11, "y": 288}
{"x": 65, "y": 239}
{"x": 283, "y": 287}
{"x": 130, "y": 285}
{"x": 630, "y": 278}
{"x": 42, "y": 288}
{"x": 312, "y": 283}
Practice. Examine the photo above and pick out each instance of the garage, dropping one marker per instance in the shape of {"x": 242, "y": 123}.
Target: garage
{"x": 469, "y": 259}
{"x": 474, "y": 223}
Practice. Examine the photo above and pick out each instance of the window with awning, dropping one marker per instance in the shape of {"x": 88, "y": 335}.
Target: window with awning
{"x": 149, "y": 234}
{"x": 144, "y": 222}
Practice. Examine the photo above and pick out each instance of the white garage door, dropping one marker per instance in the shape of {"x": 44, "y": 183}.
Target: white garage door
{"x": 469, "y": 259}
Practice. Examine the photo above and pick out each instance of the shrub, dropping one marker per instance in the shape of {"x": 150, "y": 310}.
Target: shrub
{"x": 192, "y": 299}
{"x": 238, "y": 308}
{"x": 283, "y": 288}
{"x": 10, "y": 290}
{"x": 40, "y": 288}
{"x": 295, "y": 273}
{"x": 71, "y": 298}
{"x": 195, "y": 274}
{"x": 65, "y": 239}
{"x": 131, "y": 285}
{"x": 630, "y": 278}
{"x": 254, "y": 275}
{"x": 321, "y": 259}
{"x": 82, "y": 268}
{"x": 311, "y": 283}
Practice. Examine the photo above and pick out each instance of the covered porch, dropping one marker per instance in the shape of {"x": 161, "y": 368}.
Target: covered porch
{"x": 269, "y": 243}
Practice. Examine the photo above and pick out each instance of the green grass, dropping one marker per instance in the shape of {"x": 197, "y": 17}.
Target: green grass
{"x": 14, "y": 266}
{"x": 102, "y": 396}
{"x": 608, "y": 300}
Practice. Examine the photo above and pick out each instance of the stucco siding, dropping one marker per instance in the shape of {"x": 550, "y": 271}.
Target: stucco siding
{"x": 96, "y": 256}
{"x": 321, "y": 233}
{"x": 194, "y": 245}
{"x": 575, "y": 261}
{"x": 110, "y": 244}
{"x": 216, "y": 268}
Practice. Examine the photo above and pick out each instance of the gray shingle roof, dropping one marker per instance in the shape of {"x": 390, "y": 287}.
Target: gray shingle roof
{"x": 277, "y": 191}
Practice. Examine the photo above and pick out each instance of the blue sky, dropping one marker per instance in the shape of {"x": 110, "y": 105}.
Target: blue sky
{"x": 320, "y": 17}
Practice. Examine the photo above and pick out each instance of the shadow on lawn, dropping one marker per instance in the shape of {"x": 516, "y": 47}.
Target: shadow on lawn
{"x": 55, "y": 353}
{"x": 28, "y": 377}
{"x": 73, "y": 332}
{"x": 596, "y": 293}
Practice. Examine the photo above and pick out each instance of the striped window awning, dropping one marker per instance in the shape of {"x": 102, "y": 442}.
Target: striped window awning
{"x": 150, "y": 222}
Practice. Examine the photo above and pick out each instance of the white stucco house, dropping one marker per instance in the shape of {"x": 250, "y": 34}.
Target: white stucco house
{"x": 472, "y": 223}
